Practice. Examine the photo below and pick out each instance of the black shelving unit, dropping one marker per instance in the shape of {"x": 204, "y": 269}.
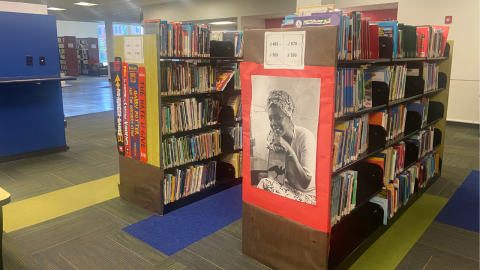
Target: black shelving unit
{"x": 357, "y": 231}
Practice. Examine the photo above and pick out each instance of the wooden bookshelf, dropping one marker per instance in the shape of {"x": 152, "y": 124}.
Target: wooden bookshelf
{"x": 142, "y": 183}
{"x": 70, "y": 54}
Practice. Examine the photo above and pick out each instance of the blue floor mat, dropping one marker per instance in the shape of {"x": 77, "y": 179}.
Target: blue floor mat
{"x": 185, "y": 226}
{"x": 462, "y": 209}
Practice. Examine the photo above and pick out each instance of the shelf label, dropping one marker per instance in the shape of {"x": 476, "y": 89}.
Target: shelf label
{"x": 133, "y": 49}
{"x": 284, "y": 50}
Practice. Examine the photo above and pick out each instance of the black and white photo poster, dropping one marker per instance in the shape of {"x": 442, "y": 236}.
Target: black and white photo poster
{"x": 283, "y": 135}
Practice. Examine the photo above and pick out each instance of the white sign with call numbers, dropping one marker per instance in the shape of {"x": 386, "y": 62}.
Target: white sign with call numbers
{"x": 284, "y": 50}
{"x": 133, "y": 49}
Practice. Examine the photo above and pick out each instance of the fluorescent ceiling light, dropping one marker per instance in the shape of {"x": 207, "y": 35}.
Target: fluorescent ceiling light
{"x": 223, "y": 23}
{"x": 55, "y": 8}
{"x": 85, "y": 4}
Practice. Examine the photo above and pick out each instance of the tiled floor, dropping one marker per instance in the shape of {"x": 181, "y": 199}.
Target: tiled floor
{"x": 92, "y": 238}
{"x": 87, "y": 94}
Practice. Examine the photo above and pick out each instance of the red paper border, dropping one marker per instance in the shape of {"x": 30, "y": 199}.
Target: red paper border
{"x": 315, "y": 216}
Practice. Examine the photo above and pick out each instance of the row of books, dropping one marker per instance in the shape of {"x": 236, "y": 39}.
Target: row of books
{"x": 353, "y": 90}
{"x": 236, "y": 160}
{"x": 423, "y": 140}
{"x": 189, "y": 114}
{"x": 391, "y": 160}
{"x": 343, "y": 195}
{"x": 186, "y": 181}
{"x": 236, "y": 37}
{"x": 181, "y": 78}
{"x": 398, "y": 191}
{"x": 394, "y": 76}
{"x": 393, "y": 119}
{"x": 180, "y": 39}
{"x": 190, "y": 148}
{"x": 350, "y": 140}
{"x": 236, "y": 133}
{"x": 430, "y": 76}
{"x": 359, "y": 38}
{"x": 235, "y": 103}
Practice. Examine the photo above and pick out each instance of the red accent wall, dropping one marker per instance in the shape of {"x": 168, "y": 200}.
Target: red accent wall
{"x": 273, "y": 23}
{"x": 378, "y": 15}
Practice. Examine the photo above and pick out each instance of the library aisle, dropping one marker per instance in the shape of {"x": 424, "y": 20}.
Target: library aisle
{"x": 87, "y": 233}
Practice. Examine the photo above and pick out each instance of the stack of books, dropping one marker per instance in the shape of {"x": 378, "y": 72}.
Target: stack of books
{"x": 350, "y": 140}
{"x": 180, "y": 78}
{"x": 391, "y": 160}
{"x": 235, "y": 132}
{"x": 196, "y": 147}
{"x": 178, "y": 39}
{"x": 343, "y": 195}
{"x": 188, "y": 114}
{"x": 397, "y": 116}
{"x": 421, "y": 107}
{"x": 187, "y": 181}
{"x": 423, "y": 140}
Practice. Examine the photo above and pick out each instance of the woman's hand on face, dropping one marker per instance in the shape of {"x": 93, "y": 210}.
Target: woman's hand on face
{"x": 286, "y": 146}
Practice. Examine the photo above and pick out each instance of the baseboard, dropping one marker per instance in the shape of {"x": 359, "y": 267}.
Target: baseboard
{"x": 461, "y": 123}
{"x": 35, "y": 153}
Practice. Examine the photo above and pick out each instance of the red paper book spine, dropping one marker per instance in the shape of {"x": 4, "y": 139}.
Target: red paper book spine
{"x": 143, "y": 114}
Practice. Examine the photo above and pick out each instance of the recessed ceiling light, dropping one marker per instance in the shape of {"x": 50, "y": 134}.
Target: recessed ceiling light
{"x": 55, "y": 8}
{"x": 223, "y": 23}
{"x": 85, "y": 4}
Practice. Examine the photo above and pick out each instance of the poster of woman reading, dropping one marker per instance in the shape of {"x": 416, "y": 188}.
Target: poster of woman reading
{"x": 283, "y": 130}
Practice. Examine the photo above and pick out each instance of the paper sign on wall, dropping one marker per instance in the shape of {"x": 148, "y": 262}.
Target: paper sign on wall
{"x": 94, "y": 46}
{"x": 308, "y": 11}
{"x": 70, "y": 45}
{"x": 133, "y": 49}
{"x": 284, "y": 50}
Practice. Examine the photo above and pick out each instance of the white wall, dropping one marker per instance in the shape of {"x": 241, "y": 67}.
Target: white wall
{"x": 77, "y": 29}
{"x": 214, "y": 9}
{"x": 464, "y": 30}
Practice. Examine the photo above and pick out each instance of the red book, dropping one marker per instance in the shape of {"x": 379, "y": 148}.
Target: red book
{"x": 374, "y": 47}
{"x": 143, "y": 114}
{"x": 126, "y": 114}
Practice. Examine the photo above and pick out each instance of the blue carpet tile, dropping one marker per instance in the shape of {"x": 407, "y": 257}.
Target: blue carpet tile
{"x": 462, "y": 209}
{"x": 185, "y": 226}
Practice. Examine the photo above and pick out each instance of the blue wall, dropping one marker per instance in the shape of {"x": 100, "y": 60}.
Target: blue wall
{"x": 24, "y": 34}
{"x": 31, "y": 117}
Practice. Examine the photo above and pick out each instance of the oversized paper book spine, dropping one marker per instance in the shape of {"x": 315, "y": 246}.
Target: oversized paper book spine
{"x": 134, "y": 111}
{"x": 126, "y": 109}
{"x": 117, "y": 93}
{"x": 143, "y": 114}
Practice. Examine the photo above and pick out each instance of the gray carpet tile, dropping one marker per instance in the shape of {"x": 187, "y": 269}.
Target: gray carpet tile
{"x": 440, "y": 264}
{"x": 14, "y": 257}
{"x": 121, "y": 209}
{"x": 452, "y": 239}
{"x": 438, "y": 186}
{"x": 414, "y": 260}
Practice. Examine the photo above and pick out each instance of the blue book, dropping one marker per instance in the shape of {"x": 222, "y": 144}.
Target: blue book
{"x": 389, "y": 29}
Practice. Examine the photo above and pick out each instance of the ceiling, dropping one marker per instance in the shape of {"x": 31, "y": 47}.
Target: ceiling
{"x": 127, "y": 11}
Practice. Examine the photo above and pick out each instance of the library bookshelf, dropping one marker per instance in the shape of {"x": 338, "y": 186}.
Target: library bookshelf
{"x": 286, "y": 234}
{"x": 357, "y": 231}
{"x": 142, "y": 183}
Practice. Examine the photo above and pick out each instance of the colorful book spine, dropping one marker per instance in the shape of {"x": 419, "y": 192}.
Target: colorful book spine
{"x": 143, "y": 114}
{"x": 134, "y": 111}
{"x": 126, "y": 109}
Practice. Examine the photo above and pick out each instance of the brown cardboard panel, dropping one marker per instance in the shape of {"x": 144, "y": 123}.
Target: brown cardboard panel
{"x": 281, "y": 243}
{"x": 319, "y": 48}
{"x": 141, "y": 184}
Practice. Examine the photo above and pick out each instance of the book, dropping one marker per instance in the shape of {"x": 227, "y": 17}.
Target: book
{"x": 222, "y": 78}
{"x": 142, "y": 113}
{"x": 277, "y": 166}
{"x": 134, "y": 131}
{"x": 389, "y": 29}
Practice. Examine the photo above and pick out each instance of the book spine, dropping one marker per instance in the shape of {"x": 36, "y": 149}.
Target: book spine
{"x": 134, "y": 111}
{"x": 143, "y": 114}
{"x": 126, "y": 109}
{"x": 117, "y": 90}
